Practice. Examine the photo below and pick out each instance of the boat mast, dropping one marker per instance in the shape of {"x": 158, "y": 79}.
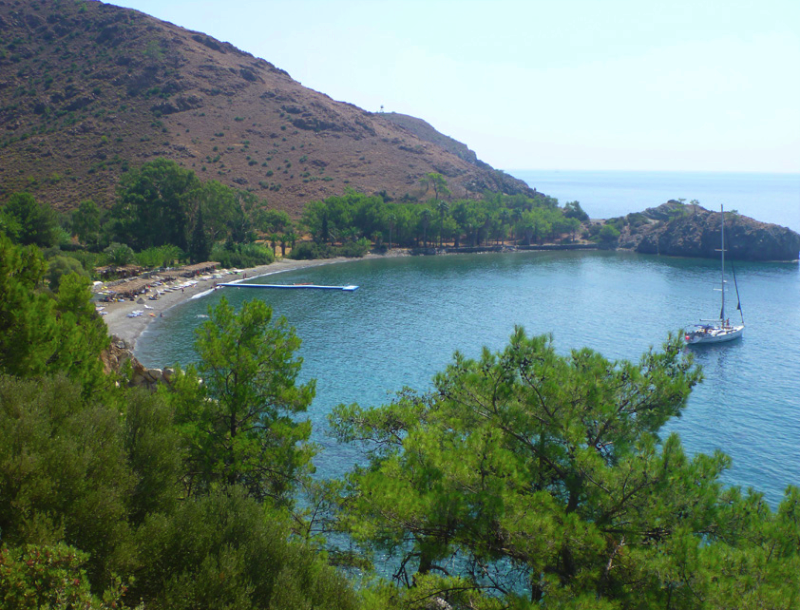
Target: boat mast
{"x": 722, "y": 271}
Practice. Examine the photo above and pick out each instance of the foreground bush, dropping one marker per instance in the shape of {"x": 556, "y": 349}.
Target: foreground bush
{"x": 543, "y": 481}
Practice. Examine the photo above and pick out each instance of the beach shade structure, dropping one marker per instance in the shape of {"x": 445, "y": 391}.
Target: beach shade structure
{"x": 130, "y": 288}
{"x": 197, "y": 269}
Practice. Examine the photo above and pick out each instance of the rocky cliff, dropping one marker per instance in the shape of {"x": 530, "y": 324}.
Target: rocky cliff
{"x": 118, "y": 358}
{"x": 676, "y": 229}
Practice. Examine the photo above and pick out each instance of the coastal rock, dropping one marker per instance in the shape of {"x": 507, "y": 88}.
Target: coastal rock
{"x": 676, "y": 229}
{"x": 116, "y": 355}
{"x": 119, "y": 354}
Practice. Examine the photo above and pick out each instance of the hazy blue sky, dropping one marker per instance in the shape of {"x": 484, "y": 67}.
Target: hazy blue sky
{"x": 555, "y": 84}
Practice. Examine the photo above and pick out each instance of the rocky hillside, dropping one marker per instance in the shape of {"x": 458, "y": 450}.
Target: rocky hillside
{"x": 88, "y": 90}
{"x": 676, "y": 229}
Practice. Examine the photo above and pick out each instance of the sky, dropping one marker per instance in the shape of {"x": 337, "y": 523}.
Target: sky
{"x": 698, "y": 85}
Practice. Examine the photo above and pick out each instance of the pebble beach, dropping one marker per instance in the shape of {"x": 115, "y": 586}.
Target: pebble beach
{"x": 128, "y": 328}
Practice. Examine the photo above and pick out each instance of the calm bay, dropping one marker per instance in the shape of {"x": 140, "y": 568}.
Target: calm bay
{"x": 412, "y": 313}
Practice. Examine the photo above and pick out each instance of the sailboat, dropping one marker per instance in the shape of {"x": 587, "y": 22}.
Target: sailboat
{"x": 718, "y": 331}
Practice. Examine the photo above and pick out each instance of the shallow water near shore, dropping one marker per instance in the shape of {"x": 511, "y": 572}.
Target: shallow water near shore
{"x": 412, "y": 313}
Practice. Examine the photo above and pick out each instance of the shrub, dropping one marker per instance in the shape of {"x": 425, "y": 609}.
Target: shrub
{"x": 61, "y": 266}
{"x": 608, "y": 235}
{"x": 309, "y": 250}
{"x": 242, "y": 255}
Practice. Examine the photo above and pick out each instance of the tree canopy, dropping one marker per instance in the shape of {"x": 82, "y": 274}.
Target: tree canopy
{"x": 240, "y": 423}
{"x": 535, "y": 478}
{"x": 153, "y": 205}
{"x": 492, "y": 219}
{"x": 43, "y": 334}
{"x": 29, "y": 222}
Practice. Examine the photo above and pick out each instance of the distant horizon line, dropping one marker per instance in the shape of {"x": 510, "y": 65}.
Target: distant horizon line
{"x": 656, "y": 171}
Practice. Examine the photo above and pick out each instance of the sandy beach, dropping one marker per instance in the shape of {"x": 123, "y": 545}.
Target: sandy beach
{"x": 129, "y": 329}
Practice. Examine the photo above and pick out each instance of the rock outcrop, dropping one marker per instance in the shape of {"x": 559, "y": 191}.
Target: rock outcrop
{"x": 117, "y": 358}
{"x": 676, "y": 229}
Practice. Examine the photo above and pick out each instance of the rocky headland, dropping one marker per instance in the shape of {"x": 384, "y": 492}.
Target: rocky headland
{"x": 678, "y": 229}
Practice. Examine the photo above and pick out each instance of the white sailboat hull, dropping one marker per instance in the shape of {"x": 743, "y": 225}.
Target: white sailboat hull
{"x": 714, "y": 334}
{"x": 719, "y": 331}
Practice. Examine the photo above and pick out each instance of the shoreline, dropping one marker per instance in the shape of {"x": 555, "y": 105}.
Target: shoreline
{"x": 130, "y": 329}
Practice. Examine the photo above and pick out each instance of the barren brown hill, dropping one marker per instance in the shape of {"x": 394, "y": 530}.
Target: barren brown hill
{"x": 88, "y": 90}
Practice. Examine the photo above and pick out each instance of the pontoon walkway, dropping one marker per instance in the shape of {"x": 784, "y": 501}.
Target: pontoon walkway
{"x": 290, "y": 286}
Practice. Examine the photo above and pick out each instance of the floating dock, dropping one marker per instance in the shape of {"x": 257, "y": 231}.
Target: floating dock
{"x": 291, "y": 286}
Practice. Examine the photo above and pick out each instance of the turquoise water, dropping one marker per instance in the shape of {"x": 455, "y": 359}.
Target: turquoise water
{"x": 606, "y": 194}
{"x": 411, "y": 314}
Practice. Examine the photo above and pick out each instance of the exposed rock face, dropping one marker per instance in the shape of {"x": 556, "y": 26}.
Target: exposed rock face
{"x": 675, "y": 229}
{"x": 119, "y": 354}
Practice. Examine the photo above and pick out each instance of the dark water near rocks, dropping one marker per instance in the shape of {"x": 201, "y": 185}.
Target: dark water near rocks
{"x": 411, "y": 314}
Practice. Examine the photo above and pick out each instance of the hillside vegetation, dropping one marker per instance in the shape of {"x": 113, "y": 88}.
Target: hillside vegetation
{"x": 89, "y": 89}
{"x": 525, "y": 479}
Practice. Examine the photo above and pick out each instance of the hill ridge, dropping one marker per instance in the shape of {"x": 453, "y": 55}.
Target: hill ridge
{"x": 90, "y": 89}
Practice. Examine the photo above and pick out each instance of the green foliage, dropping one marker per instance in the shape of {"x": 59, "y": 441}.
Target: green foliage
{"x": 223, "y": 210}
{"x": 200, "y": 243}
{"x": 87, "y": 260}
{"x": 437, "y": 182}
{"x": 60, "y": 266}
{"x": 608, "y": 235}
{"x": 35, "y": 577}
{"x": 221, "y": 552}
{"x": 240, "y": 423}
{"x": 353, "y": 249}
{"x": 530, "y": 471}
{"x": 308, "y": 251}
{"x": 241, "y": 255}
{"x": 573, "y": 209}
{"x": 86, "y": 222}
{"x": 9, "y": 225}
{"x": 636, "y": 219}
{"x": 153, "y": 207}
{"x": 353, "y": 216}
{"x": 62, "y": 470}
{"x": 40, "y": 334}
{"x": 28, "y": 222}
{"x": 103, "y": 474}
{"x": 312, "y": 251}
{"x": 162, "y": 256}
{"x": 273, "y": 221}
{"x": 119, "y": 254}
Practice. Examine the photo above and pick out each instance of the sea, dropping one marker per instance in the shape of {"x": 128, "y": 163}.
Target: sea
{"x": 411, "y": 314}
{"x": 771, "y": 198}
